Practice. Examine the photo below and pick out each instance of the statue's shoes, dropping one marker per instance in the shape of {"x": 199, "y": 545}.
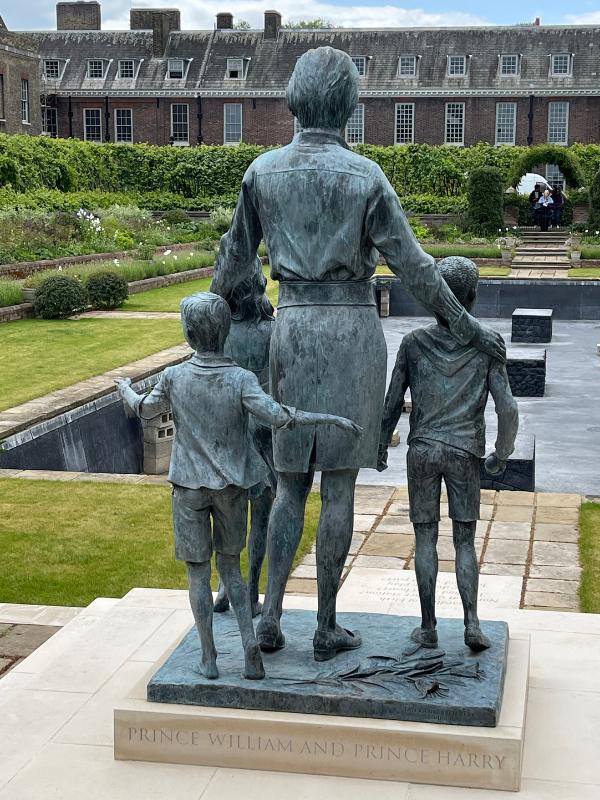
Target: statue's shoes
{"x": 425, "y": 637}
{"x": 269, "y": 635}
{"x": 253, "y": 667}
{"x": 475, "y": 639}
{"x": 327, "y": 644}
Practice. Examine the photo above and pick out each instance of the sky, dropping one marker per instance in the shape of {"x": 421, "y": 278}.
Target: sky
{"x": 40, "y": 14}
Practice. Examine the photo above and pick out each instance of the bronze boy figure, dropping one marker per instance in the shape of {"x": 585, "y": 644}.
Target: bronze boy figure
{"x": 213, "y": 463}
{"x": 449, "y": 384}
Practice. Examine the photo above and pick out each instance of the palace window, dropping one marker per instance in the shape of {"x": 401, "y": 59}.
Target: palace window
{"x": 25, "y": 100}
{"x": 236, "y": 69}
{"x": 506, "y": 117}
{"x": 176, "y": 68}
{"x": 232, "y": 123}
{"x": 360, "y": 62}
{"x": 558, "y": 123}
{"x": 455, "y": 123}
{"x": 96, "y": 68}
{"x": 561, "y": 65}
{"x": 52, "y": 68}
{"x": 407, "y": 66}
{"x": 92, "y": 124}
{"x": 126, "y": 69}
{"x": 405, "y": 123}
{"x": 355, "y": 128}
{"x": 180, "y": 123}
{"x": 457, "y": 66}
{"x": 509, "y": 65}
{"x": 50, "y": 122}
{"x": 123, "y": 125}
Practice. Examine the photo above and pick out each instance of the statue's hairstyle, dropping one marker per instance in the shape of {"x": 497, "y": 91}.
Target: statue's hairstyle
{"x": 248, "y": 300}
{"x": 206, "y": 320}
{"x": 462, "y": 276}
{"x": 323, "y": 89}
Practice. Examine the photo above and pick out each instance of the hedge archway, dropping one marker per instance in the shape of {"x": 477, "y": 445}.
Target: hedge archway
{"x": 548, "y": 154}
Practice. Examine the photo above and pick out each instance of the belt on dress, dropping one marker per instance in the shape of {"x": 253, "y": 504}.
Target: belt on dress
{"x": 326, "y": 293}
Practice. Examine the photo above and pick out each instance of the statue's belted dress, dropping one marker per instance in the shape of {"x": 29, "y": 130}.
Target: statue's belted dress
{"x": 325, "y": 214}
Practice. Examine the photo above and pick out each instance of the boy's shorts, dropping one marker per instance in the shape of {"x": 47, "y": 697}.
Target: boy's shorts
{"x": 427, "y": 463}
{"x": 192, "y": 512}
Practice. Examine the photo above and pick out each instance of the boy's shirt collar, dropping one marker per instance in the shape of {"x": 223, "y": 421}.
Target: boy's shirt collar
{"x": 212, "y": 360}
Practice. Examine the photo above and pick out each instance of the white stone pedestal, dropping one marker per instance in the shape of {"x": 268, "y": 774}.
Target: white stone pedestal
{"x": 450, "y": 755}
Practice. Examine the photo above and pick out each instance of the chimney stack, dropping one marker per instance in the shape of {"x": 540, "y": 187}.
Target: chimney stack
{"x": 224, "y": 21}
{"x": 272, "y": 24}
{"x": 162, "y": 22}
{"x": 79, "y": 16}
{"x": 140, "y": 19}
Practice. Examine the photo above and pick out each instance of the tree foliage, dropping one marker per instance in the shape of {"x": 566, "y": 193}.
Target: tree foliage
{"x": 594, "y": 220}
{"x": 539, "y": 154}
{"x": 485, "y": 192}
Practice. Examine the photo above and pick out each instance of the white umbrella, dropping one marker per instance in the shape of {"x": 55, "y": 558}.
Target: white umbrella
{"x": 528, "y": 182}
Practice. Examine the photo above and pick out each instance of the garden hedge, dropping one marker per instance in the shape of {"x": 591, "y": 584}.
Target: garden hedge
{"x": 37, "y": 163}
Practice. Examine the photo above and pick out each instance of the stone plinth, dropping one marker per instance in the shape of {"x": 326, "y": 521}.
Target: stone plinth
{"x": 519, "y": 474}
{"x": 532, "y": 325}
{"x": 526, "y": 371}
{"x": 449, "y": 684}
{"x": 328, "y": 745}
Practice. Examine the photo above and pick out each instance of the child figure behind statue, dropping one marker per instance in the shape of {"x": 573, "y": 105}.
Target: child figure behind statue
{"x": 252, "y": 319}
{"x": 213, "y": 464}
{"x": 449, "y": 384}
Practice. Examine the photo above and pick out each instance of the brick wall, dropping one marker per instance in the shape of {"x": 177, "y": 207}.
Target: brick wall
{"x": 267, "y": 121}
{"x": 13, "y": 69}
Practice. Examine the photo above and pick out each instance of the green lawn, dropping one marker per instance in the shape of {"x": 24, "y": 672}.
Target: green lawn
{"x": 589, "y": 549}
{"x": 39, "y": 356}
{"x": 169, "y": 297}
{"x": 68, "y": 543}
{"x": 584, "y": 272}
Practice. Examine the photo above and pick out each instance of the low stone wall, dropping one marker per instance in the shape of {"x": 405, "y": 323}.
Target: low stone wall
{"x": 135, "y": 287}
{"x": 15, "y": 313}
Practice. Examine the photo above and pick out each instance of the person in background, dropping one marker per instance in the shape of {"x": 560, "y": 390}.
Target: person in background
{"x": 545, "y": 204}
{"x": 558, "y": 205}
{"x": 534, "y": 199}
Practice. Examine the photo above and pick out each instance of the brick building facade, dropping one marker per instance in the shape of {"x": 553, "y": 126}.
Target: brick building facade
{"x": 160, "y": 84}
{"x": 19, "y": 84}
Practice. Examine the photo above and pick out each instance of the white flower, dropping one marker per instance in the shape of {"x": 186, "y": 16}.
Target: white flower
{"x": 174, "y": 258}
{"x": 191, "y": 254}
{"x": 59, "y": 268}
{"x": 597, "y": 233}
{"x": 164, "y": 262}
{"x": 116, "y": 262}
{"x": 167, "y": 252}
{"x": 514, "y": 227}
{"x": 499, "y": 230}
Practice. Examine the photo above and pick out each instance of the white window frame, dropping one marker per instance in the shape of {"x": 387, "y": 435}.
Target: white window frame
{"x": 397, "y": 112}
{"x": 500, "y": 109}
{"x": 465, "y": 62}
{"x": 116, "y": 115}
{"x": 85, "y": 127}
{"x": 355, "y": 127}
{"x": 569, "y": 72}
{"x": 185, "y": 68}
{"x": 90, "y": 61}
{"x": 25, "y": 102}
{"x": 362, "y": 65}
{"x": 180, "y": 142}
{"x": 551, "y": 107}
{"x": 133, "y": 75}
{"x": 516, "y": 73}
{"x": 226, "y": 140}
{"x": 446, "y": 121}
{"x": 242, "y": 69}
{"x": 45, "y": 111}
{"x": 56, "y": 61}
{"x": 415, "y": 64}
{"x": 555, "y": 177}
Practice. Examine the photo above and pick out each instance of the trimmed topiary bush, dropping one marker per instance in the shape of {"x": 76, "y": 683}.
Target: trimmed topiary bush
{"x": 107, "y": 290}
{"x": 60, "y": 296}
{"x": 485, "y": 192}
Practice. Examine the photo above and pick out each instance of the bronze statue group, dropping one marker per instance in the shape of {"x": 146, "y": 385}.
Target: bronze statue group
{"x": 266, "y": 401}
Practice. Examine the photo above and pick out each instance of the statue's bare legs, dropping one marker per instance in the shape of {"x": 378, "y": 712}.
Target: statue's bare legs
{"x": 333, "y": 542}
{"x": 467, "y": 578}
{"x": 201, "y": 601}
{"x": 260, "y": 508}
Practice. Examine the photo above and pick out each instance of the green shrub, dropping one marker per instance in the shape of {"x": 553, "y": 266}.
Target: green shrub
{"x": 422, "y": 232}
{"x": 124, "y": 240}
{"x": 220, "y": 218}
{"x": 594, "y": 219}
{"x": 107, "y": 289}
{"x": 177, "y": 216}
{"x": 485, "y": 193}
{"x": 11, "y": 293}
{"x": 145, "y": 251}
{"x": 60, "y": 296}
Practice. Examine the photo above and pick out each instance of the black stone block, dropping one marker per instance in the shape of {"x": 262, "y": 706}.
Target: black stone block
{"x": 526, "y": 372}
{"x": 532, "y": 325}
{"x": 519, "y": 474}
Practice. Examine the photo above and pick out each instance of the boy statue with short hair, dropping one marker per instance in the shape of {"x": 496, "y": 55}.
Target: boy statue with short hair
{"x": 449, "y": 384}
{"x": 213, "y": 464}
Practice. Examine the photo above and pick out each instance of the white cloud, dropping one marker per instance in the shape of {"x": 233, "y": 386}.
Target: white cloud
{"x": 202, "y": 16}
{"x": 591, "y": 18}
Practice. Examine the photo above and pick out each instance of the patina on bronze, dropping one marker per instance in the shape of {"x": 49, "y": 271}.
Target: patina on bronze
{"x": 325, "y": 214}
